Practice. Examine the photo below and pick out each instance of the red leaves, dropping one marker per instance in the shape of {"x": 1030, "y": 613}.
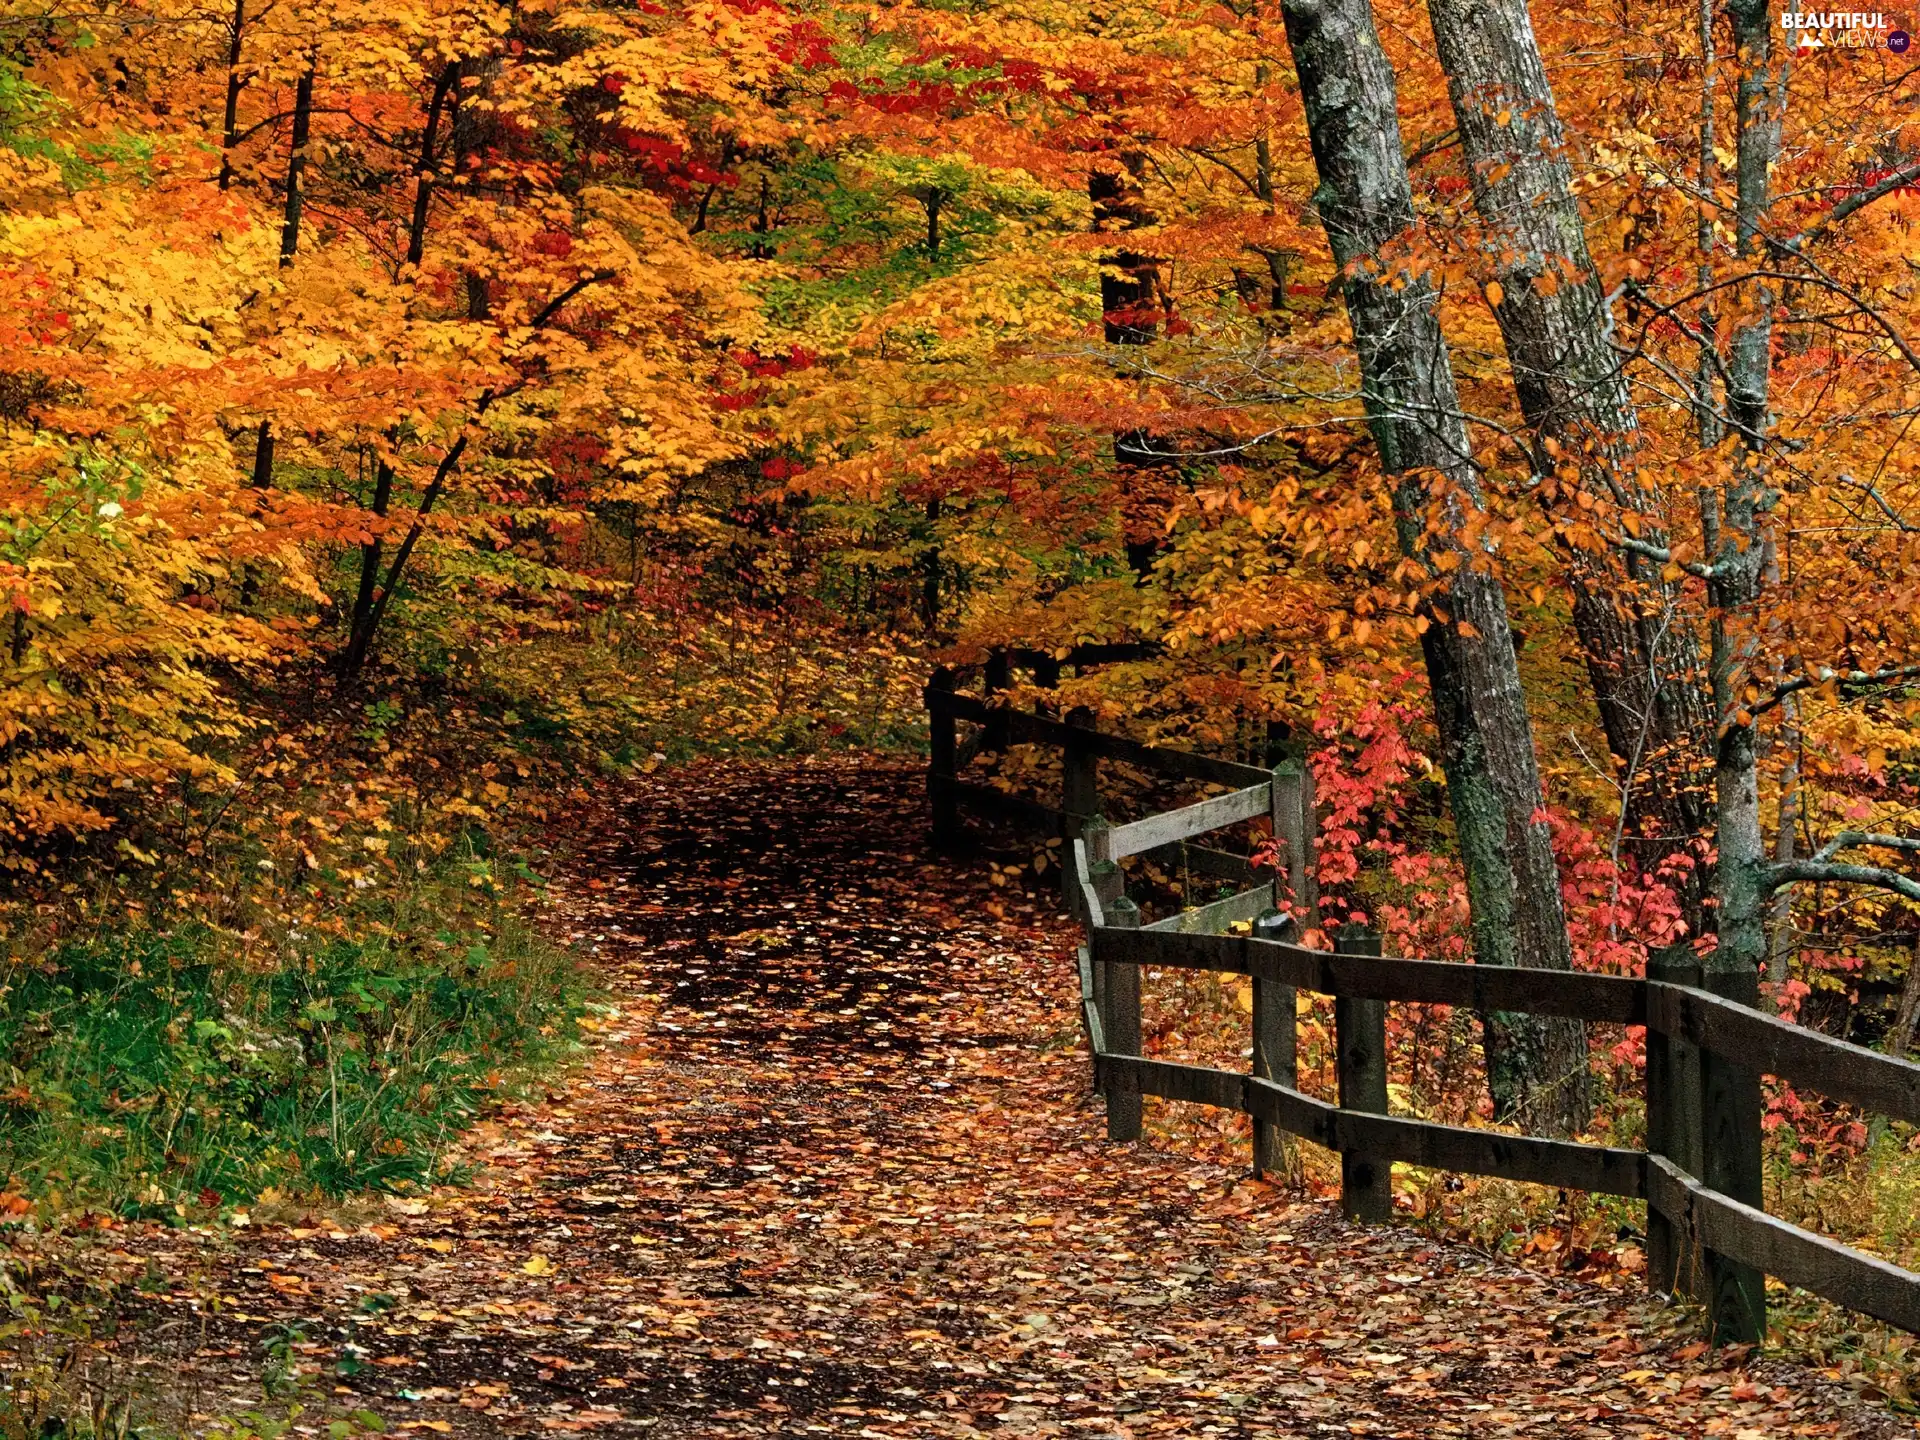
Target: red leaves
{"x": 805, "y": 46}
{"x": 669, "y": 163}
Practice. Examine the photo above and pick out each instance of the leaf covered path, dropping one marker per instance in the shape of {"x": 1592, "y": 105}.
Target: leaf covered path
{"x": 835, "y": 1171}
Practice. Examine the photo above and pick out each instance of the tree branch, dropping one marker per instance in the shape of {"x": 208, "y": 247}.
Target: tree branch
{"x": 1791, "y": 872}
{"x": 1633, "y": 545}
{"x": 449, "y": 462}
{"x": 1858, "y": 200}
{"x": 1859, "y": 839}
{"x": 1847, "y": 681}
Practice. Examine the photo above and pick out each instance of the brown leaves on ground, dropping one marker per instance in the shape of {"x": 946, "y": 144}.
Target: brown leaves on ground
{"x": 836, "y": 1171}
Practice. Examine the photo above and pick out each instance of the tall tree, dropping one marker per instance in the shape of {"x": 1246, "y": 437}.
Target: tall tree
{"x": 1537, "y": 1068}
{"x": 1556, "y": 322}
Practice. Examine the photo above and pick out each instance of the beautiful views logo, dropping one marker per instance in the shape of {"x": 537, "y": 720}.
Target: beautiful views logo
{"x": 1844, "y": 30}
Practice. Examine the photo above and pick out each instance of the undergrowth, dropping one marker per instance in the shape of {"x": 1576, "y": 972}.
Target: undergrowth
{"x": 158, "y": 1071}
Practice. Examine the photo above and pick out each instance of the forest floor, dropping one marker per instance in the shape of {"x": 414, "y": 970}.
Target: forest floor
{"x": 834, "y": 1170}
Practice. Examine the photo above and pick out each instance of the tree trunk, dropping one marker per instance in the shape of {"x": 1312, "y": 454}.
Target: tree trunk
{"x": 263, "y": 447}
{"x": 1739, "y": 552}
{"x": 370, "y": 600}
{"x": 230, "y": 129}
{"x": 1131, "y": 288}
{"x": 360, "y": 627}
{"x": 1537, "y": 1067}
{"x": 1907, "y": 1018}
{"x": 1133, "y": 300}
{"x": 297, "y": 165}
{"x": 930, "y": 569}
{"x": 1783, "y": 942}
{"x": 370, "y": 604}
{"x": 1759, "y": 110}
{"x": 1643, "y": 664}
{"x": 1739, "y": 539}
{"x": 423, "y": 165}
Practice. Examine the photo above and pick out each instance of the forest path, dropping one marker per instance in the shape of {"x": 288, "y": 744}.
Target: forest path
{"x": 836, "y": 1171}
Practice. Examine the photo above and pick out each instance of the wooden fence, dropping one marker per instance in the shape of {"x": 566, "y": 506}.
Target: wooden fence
{"x": 1707, "y": 1048}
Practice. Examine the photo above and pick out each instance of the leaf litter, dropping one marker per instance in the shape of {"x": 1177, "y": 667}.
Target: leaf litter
{"x": 834, "y": 1169}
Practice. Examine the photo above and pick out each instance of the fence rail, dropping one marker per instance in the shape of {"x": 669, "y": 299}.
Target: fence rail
{"x": 1706, "y": 1047}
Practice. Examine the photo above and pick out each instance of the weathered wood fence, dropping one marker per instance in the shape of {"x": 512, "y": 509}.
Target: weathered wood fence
{"x": 1708, "y": 1234}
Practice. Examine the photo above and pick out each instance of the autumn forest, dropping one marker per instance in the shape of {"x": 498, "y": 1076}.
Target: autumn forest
{"x": 484, "y": 486}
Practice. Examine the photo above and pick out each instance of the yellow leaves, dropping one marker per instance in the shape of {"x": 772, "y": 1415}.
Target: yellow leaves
{"x": 537, "y": 1265}
{"x": 1495, "y": 293}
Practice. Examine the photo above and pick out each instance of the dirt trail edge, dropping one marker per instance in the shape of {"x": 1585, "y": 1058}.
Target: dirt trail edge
{"x": 836, "y": 1172}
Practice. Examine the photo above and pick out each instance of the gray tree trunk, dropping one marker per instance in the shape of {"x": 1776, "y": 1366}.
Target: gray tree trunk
{"x": 1643, "y": 663}
{"x": 1537, "y": 1067}
{"x": 1739, "y": 539}
{"x": 1739, "y": 549}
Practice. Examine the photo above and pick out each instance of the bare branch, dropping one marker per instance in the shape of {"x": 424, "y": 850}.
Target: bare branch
{"x": 1633, "y": 545}
{"x": 1858, "y": 200}
{"x": 1792, "y": 872}
{"x": 1859, "y": 839}
{"x": 1849, "y": 680}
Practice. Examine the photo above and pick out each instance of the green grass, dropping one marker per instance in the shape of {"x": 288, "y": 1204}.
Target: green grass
{"x": 189, "y": 1070}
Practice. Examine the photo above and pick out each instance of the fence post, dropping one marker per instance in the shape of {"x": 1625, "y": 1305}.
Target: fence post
{"x": 941, "y": 761}
{"x": 1294, "y": 829}
{"x": 1120, "y": 1018}
{"x": 1079, "y": 798}
{"x": 1360, "y": 1039}
{"x": 1673, "y": 1125}
{"x": 999, "y": 679}
{"x": 1107, "y": 881}
{"x": 1731, "y": 1164}
{"x": 1275, "y": 1048}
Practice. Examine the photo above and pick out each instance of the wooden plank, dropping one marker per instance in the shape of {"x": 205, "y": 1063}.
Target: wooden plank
{"x": 1564, "y": 1164}
{"x": 1776, "y": 1047}
{"x": 999, "y": 802}
{"x": 1194, "y": 1084}
{"x": 1600, "y": 1169}
{"x": 1021, "y": 727}
{"x": 1090, "y": 1012}
{"x": 1477, "y": 987}
{"x": 1213, "y": 919}
{"x": 1079, "y": 769}
{"x": 1182, "y": 764}
{"x": 1766, "y": 1243}
{"x": 965, "y": 707}
{"x": 1200, "y": 860}
{"x": 1092, "y": 908}
{"x": 1170, "y": 825}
